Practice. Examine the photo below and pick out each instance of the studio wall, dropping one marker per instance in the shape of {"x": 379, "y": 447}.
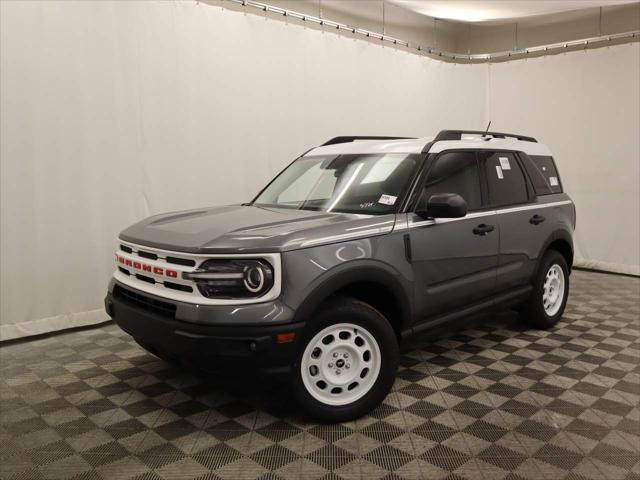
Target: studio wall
{"x": 113, "y": 111}
{"x": 586, "y": 107}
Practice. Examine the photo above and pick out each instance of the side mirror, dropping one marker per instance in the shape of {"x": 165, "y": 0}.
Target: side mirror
{"x": 443, "y": 205}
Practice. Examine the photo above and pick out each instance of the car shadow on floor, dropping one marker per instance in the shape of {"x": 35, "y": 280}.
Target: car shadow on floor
{"x": 258, "y": 393}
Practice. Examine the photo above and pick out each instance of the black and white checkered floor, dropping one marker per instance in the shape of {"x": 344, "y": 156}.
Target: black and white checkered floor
{"x": 494, "y": 401}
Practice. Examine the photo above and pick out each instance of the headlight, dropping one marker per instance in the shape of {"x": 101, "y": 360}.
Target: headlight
{"x": 232, "y": 278}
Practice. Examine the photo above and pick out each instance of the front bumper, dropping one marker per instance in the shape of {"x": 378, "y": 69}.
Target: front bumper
{"x": 213, "y": 345}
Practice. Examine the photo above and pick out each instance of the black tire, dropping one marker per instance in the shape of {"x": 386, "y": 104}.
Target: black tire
{"x": 347, "y": 310}
{"x": 533, "y": 309}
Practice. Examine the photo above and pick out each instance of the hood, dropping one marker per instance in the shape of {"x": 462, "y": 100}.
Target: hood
{"x": 249, "y": 229}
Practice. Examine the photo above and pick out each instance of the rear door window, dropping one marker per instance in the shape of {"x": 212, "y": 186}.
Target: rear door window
{"x": 543, "y": 174}
{"x": 505, "y": 179}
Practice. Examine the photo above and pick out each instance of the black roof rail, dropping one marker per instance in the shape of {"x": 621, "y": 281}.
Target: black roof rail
{"x": 336, "y": 140}
{"x": 457, "y": 135}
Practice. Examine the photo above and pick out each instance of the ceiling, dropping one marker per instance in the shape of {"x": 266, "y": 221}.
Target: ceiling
{"x": 499, "y": 10}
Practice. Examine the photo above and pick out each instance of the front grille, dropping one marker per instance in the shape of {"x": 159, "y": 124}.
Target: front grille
{"x": 164, "y": 274}
{"x": 143, "y": 302}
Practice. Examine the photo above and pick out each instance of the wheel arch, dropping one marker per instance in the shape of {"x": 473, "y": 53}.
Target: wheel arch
{"x": 375, "y": 284}
{"x": 562, "y": 242}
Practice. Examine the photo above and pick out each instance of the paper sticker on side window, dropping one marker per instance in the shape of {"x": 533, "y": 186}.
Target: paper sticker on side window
{"x": 499, "y": 172}
{"x": 543, "y": 174}
{"x": 504, "y": 163}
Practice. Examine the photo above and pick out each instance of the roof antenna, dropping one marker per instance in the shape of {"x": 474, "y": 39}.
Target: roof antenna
{"x": 487, "y": 130}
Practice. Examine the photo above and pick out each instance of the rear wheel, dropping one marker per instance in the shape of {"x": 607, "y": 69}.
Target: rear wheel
{"x": 550, "y": 292}
{"x": 347, "y": 362}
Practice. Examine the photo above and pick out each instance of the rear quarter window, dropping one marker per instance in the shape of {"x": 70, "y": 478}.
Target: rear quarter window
{"x": 543, "y": 173}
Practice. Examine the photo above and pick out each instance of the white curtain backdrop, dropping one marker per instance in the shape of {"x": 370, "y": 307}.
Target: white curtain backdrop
{"x": 113, "y": 111}
{"x": 586, "y": 107}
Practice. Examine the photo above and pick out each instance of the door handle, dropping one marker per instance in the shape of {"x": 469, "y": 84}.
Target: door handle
{"x": 536, "y": 219}
{"x": 483, "y": 229}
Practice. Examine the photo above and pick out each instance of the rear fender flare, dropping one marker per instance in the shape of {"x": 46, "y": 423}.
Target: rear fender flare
{"x": 559, "y": 234}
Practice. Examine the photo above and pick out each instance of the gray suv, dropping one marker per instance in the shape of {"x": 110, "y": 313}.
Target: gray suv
{"x": 356, "y": 246}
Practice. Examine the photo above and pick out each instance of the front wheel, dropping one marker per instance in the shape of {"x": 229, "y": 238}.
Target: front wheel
{"x": 347, "y": 362}
{"x": 550, "y": 292}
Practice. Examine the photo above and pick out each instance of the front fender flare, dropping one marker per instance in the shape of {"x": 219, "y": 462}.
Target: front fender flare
{"x": 355, "y": 271}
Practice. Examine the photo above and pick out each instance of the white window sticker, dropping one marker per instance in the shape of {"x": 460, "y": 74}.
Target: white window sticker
{"x": 504, "y": 163}
{"x": 499, "y": 172}
{"x": 553, "y": 181}
{"x": 387, "y": 200}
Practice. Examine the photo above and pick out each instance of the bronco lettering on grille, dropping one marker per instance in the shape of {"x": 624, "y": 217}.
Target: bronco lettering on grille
{"x": 163, "y": 272}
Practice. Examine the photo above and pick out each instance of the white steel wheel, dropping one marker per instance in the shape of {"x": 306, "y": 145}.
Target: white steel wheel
{"x": 553, "y": 290}
{"x": 340, "y": 364}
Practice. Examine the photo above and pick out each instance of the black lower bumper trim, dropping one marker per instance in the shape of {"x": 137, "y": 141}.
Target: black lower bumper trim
{"x": 209, "y": 348}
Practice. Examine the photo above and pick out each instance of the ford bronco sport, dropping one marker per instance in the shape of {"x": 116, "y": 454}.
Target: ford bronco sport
{"x": 355, "y": 246}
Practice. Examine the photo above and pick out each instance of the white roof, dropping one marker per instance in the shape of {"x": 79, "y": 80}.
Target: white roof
{"x": 417, "y": 144}
{"x": 414, "y": 145}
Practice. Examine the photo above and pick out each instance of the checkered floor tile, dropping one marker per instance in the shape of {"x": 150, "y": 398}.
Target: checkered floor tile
{"x": 496, "y": 400}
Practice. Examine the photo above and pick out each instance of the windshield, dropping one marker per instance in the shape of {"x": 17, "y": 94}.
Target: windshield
{"x": 368, "y": 184}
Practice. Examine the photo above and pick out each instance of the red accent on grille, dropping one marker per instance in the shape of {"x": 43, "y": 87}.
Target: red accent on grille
{"x": 163, "y": 272}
